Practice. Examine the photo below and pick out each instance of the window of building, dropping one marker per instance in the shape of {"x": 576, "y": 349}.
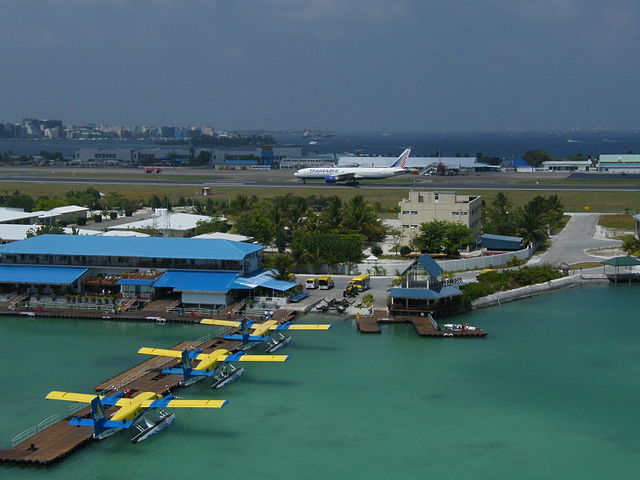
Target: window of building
{"x": 414, "y": 212}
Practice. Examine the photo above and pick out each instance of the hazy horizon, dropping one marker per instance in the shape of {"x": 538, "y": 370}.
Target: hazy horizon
{"x": 347, "y": 66}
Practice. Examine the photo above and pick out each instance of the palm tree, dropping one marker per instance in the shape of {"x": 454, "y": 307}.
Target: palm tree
{"x": 531, "y": 225}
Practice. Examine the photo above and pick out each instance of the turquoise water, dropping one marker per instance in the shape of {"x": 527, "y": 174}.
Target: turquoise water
{"x": 551, "y": 393}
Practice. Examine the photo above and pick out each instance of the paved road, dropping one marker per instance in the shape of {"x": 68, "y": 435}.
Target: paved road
{"x": 570, "y": 245}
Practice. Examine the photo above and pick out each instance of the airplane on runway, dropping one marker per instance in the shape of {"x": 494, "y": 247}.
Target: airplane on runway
{"x": 269, "y": 331}
{"x": 209, "y": 363}
{"x": 353, "y": 174}
{"x": 131, "y": 410}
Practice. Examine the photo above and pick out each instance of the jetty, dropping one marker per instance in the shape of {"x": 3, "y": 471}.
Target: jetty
{"x": 425, "y": 326}
{"x": 54, "y": 439}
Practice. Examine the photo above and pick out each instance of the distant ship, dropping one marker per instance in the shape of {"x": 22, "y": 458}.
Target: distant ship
{"x": 318, "y": 134}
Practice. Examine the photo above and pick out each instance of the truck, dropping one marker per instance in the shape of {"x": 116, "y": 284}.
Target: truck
{"x": 325, "y": 282}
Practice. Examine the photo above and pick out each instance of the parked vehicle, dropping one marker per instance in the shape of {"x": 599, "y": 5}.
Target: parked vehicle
{"x": 325, "y": 282}
{"x": 360, "y": 282}
{"x": 311, "y": 283}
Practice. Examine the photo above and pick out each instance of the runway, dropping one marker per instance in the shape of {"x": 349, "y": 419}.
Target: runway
{"x": 449, "y": 183}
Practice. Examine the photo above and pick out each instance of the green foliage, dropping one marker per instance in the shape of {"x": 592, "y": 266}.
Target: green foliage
{"x": 443, "y": 236}
{"x": 282, "y": 263}
{"x": 97, "y": 218}
{"x": 44, "y": 230}
{"x": 495, "y": 281}
{"x": 404, "y": 250}
{"x": 17, "y": 200}
{"x": 213, "y": 225}
{"x": 376, "y": 250}
{"x": 257, "y": 225}
{"x": 499, "y": 216}
{"x": 536, "y": 157}
{"x": 630, "y": 245}
{"x": 328, "y": 248}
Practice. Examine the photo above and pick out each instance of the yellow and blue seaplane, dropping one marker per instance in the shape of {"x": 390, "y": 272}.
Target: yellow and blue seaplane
{"x": 132, "y": 412}
{"x": 269, "y": 331}
{"x": 216, "y": 364}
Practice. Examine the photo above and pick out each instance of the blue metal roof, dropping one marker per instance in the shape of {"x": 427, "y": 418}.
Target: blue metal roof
{"x": 518, "y": 162}
{"x": 500, "y": 242}
{"x": 430, "y": 265}
{"x": 134, "y": 281}
{"x": 40, "y": 274}
{"x": 424, "y": 294}
{"x": 184, "y": 280}
{"x": 279, "y": 285}
{"x": 141, "y": 247}
{"x": 263, "y": 278}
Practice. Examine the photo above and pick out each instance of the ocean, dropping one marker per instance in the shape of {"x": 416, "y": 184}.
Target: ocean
{"x": 550, "y": 393}
{"x": 504, "y": 145}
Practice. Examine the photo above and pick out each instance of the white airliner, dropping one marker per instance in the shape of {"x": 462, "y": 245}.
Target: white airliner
{"x": 353, "y": 174}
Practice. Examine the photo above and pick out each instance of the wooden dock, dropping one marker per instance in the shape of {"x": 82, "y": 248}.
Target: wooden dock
{"x": 424, "y": 326}
{"x": 54, "y": 443}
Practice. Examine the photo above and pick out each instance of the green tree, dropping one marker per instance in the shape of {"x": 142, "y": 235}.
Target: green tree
{"x": 499, "y": 216}
{"x": 256, "y": 225}
{"x": 330, "y": 248}
{"x": 531, "y": 225}
{"x": 630, "y": 245}
{"x": 536, "y": 157}
{"x": 360, "y": 216}
{"x": 282, "y": 263}
{"x": 443, "y": 236}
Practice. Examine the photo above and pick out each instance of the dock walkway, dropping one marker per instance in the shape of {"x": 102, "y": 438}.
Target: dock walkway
{"x": 424, "y": 326}
{"x": 54, "y": 443}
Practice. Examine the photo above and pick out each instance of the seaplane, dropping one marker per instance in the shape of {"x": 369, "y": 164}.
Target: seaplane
{"x": 132, "y": 412}
{"x": 269, "y": 331}
{"x": 216, "y": 364}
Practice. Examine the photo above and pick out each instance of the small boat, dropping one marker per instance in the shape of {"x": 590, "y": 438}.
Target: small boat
{"x": 148, "y": 428}
{"x": 277, "y": 341}
{"x": 458, "y": 327}
{"x": 226, "y": 375}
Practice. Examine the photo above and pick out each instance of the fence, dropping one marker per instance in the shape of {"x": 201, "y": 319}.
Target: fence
{"x": 478, "y": 263}
{"x": 30, "y": 432}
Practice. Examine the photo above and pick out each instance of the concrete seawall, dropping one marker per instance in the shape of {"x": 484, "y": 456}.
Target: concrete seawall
{"x": 532, "y": 290}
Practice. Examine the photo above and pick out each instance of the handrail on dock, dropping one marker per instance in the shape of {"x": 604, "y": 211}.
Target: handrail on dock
{"x": 31, "y": 431}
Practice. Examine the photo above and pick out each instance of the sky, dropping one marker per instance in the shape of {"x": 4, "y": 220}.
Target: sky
{"x": 342, "y": 65}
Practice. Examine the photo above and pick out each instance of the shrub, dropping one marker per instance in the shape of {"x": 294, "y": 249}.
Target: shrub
{"x": 97, "y": 218}
{"x": 113, "y": 215}
{"x": 376, "y": 250}
{"x": 404, "y": 250}
{"x": 81, "y": 221}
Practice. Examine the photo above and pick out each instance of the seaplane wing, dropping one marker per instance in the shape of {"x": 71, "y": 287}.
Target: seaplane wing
{"x": 289, "y": 326}
{"x": 160, "y": 352}
{"x": 220, "y": 323}
{"x": 183, "y": 403}
{"x": 263, "y": 358}
{"x": 70, "y": 397}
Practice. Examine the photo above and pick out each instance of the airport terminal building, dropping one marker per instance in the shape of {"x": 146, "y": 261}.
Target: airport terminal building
{"x": 196, "y": 273}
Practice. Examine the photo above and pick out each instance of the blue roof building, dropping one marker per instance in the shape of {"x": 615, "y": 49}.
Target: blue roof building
{"x": 422, "y": 291}
{"x": 500, "y": 242}
{"x": 202, "y": 273}
{"x": 134, "y": 252}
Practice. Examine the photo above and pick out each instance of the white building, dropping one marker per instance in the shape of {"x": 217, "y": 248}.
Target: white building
{"x": 170, "y": 224}
{"x": 422, "y": 207}
{"x": 629, "y": 163}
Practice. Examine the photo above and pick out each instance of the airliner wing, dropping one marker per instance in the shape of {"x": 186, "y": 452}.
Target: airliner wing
{"x": 340, "y": 177}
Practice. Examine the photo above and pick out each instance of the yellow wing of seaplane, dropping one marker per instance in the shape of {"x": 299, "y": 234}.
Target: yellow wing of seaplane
{"x": 130, "y": 409}
{"x": 208, "y": 362}
{"x": 260, "y": 331}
